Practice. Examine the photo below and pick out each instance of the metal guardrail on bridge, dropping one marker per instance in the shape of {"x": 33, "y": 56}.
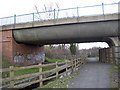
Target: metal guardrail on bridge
{"x": 61, "y": 13}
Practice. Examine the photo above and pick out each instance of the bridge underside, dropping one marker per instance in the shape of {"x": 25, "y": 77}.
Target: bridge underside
{"x": 68, "y": 33}
{"x": 25, "y": 41}
{"x": 95, "y": 31}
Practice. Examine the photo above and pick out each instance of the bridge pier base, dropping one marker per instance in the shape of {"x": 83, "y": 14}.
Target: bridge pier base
{"x": 20, "y": 54}
{"x": 116, "y": 49}
{"x": 111, "y": 54}
{"x": 116, "y": 54}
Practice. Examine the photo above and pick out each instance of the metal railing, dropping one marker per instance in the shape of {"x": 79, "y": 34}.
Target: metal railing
{"x": 61, "y": 13}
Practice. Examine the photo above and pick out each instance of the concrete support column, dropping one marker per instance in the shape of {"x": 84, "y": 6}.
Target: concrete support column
{"x": 116, "y": 54}
{"x": 116, "y": 49}
{"x": 20, "y": 54}
{"x": 112, "y": 54}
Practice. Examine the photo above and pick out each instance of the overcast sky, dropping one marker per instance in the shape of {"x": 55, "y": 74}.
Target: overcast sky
{"x": 11, "y": 7}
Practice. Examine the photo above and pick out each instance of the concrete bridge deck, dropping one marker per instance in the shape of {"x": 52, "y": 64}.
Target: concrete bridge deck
{"x": 21, "y": 43}
{"x": 78, "y": 29}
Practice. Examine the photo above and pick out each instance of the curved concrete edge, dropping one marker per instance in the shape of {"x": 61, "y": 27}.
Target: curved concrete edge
{"x": 115, "y": 41}
{"x": 61, "y": 21}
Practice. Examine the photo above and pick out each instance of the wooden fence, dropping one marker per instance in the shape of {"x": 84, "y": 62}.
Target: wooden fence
{"x": 105, "y": 55}
{"x": 110, "y": 55}
{"x": 66, "y": 66}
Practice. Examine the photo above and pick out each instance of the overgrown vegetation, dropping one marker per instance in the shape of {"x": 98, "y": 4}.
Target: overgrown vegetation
{"x": 62, "y": 51}
{"x": 114, "y": 76}
{"x": 73, "y": 49}
{"x": 7, "y": 64}
{"x": 53, "y": 60}
{"x": 61, "y": 82}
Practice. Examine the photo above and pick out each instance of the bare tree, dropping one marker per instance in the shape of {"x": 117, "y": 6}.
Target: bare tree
{"x": 58, "y": 7}
{"x": 49, "y": 11}
{"x": 36, "y": 8}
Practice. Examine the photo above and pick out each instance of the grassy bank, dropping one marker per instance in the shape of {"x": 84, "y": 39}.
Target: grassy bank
{"x": 114, "y": 77}
{"x": 60, "y": 82}
{"x": 6, "y": 64}
{"x": 53, "y": 60}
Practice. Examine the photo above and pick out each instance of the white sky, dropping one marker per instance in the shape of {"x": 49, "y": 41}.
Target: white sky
{"x": 11, "y": 7}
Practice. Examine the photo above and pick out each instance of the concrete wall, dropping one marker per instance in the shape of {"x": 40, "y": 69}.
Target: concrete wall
{"x": 20, "y": 54}
{"x": 116, "y": 54}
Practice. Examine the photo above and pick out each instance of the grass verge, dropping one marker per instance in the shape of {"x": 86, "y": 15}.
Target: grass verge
{"x": 60, "y": 82}
{"x": 7, "y": 64}
{"x": 53, "y": 60}
{"x": 114, "y": 81}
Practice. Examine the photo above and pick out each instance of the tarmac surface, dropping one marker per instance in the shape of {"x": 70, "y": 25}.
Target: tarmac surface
{"x": 93, "y": 74}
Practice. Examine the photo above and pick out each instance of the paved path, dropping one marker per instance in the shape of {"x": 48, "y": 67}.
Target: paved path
{"x": 92, "y": 75}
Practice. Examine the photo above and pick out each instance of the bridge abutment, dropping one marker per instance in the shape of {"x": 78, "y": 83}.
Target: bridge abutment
{"x": 20, "y": 54}
{"x": 116, "y": 49}
{"x": 112, "y": 54}
{"x": 116, "y": 54}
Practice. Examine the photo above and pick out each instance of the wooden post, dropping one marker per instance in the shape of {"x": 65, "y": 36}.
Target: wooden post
{"x": 41, "y": 76}
{"x": 56, "y": 69}
{"x": 72, "y": 65}
{"x": 79, "y": 62}
{"x": 75, "y": 65}
{"x": 12, "y": 76}
{"x": 66, "y": 68}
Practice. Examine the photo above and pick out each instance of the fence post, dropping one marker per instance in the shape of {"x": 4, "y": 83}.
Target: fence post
{"x": 66, "y": 68}
{"x": 33, "y": 17}
{"x": 72, "y": 63}
{"x": 15, "y": 19}
{"x": 40, "y": 77}
{"x": 56, "y": 70}
{"x": 75, "y": 65}
{"x": 78, "y": 11}
{"x": 54, "y": 13}
{"x": 79, "y": 62}
{"x": 11, "y": 76}
{"x": 103, "y": 8}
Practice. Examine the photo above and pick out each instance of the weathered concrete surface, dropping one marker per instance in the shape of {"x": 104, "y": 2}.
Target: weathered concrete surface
{"x": 116, "y": 54}
{"x": 89, "y": 31}
{"x": 61, "y": 21}
{"x": 94, "y": 31}
{"x": 93, "y": 75}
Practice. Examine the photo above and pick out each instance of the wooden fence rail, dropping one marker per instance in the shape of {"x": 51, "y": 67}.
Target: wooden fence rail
{"x": 73, "y": 64}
